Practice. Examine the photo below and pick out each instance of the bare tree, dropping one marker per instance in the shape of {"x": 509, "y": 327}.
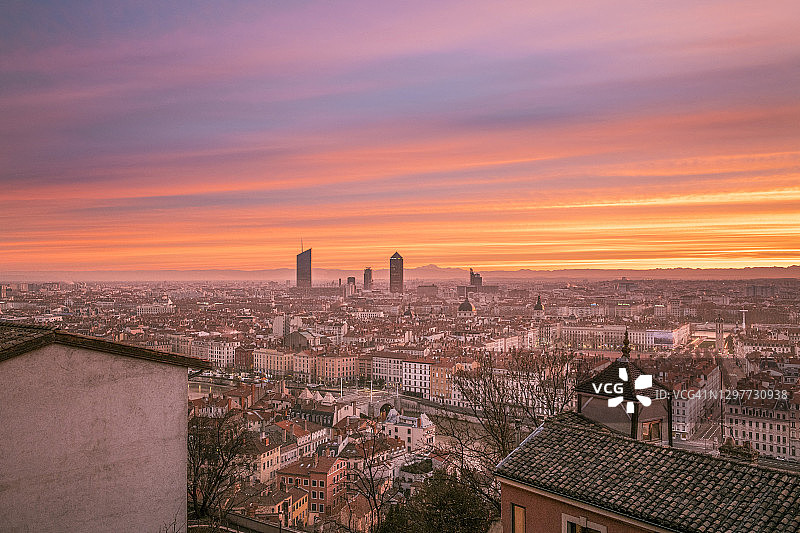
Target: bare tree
{"x": 215, "y": 463}
{"x": 506, "y": 396}
{"x": 370, "y": 491}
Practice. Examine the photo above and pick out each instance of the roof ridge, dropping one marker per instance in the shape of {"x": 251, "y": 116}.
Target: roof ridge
{"x": 23, "y": 325}
{"x": 597, "y": 428}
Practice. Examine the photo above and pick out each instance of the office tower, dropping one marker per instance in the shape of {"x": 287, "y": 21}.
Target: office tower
{"x": 396, "y": 273}
{"x": 368, "y": 279}
{"x": 475, "y": 279}
{"x": 350, "y": 288}
{"x": 304, "y": 269}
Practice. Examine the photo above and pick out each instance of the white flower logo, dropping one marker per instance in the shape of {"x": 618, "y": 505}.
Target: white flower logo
{"x": 645, "y": 381}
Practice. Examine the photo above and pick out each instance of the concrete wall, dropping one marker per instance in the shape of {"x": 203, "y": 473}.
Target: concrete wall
{"x": 91, "y": 442}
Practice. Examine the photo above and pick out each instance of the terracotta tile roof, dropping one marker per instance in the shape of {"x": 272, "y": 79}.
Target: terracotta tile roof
{"x": 16, "y": 340}
{"x": 671, "y": 488}
{"x": 310, "y": 464}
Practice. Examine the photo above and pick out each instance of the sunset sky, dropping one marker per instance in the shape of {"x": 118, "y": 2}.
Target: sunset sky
{"x": 497, "y": 135}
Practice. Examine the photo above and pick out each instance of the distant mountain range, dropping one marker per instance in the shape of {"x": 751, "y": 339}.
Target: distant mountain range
{"x": 427, "y": 272}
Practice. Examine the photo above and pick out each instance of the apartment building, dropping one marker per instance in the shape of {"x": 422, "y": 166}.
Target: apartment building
{"x": 417, "y": 378}
{"x": 388, "y": 366}
{"x": 769, "y": 425}
{"x": 324, "y": 477}
{"x": 276, "y": 363}
{"x": 416, "y": 432}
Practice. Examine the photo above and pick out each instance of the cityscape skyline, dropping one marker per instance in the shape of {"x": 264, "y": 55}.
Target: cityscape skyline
{"x": 594, "y": 325}
{"x": 535, "y": 136}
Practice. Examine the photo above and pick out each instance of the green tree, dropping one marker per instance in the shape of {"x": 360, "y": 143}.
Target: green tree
{"x": 442, "y": 505}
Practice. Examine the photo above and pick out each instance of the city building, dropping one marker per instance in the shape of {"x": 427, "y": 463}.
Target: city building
{"x": 155, "y": 309}
{"x": 538, "y": 308}
{"x": 396, "y": 273}
{"x": 417, "y": 377}
{"x": 368, "y": 279}
{"x": 417, "y": 432}
{"x": 223, "y": 353}
{"x": 304, "y": 269}
{"x": 575, "y": 475}
{"x": 475, "y": 279}
{"x": 388, "y": 366}
{"x": 427, "y": 291}
{"x": 98, "y": 431}
{"x": 466, "y": 310}
{"x": 273, "y": 362}
{"x": 324, "y": 477}
{"x": 766, "y": 422}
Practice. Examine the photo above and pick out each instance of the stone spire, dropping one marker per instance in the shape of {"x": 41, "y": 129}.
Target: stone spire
{"x": 626, "y": 348}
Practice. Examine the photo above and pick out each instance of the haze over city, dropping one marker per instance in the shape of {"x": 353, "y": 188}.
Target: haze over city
{"x": 537, "y": 135}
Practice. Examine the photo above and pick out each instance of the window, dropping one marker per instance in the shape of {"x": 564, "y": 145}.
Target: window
{"x": 579, "y": 524}
{"x": 313, "y": 482}
{"x": 517, "y": 518}
{"x": 321, "y": 483}
{"x": 305, "y": 482}
{"x": 651, "y": 431}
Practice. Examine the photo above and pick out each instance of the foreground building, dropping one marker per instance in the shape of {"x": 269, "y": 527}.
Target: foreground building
{"x": 574, "y": 475}
{"x": 97, "y": 440}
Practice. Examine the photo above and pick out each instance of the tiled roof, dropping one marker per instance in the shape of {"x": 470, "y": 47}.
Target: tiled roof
{"x": 673, "y": 489}
{"x": 611, "y": 375}
{"x": 16, "y": 340}
{"x": 310, "y": 464}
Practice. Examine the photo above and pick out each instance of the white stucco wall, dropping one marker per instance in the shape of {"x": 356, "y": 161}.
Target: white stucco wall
{"x": 91, "y": 442}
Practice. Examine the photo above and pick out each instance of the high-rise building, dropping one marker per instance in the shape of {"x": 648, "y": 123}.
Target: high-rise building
{"x": 368, "y": 279}
{"x": 304, "y": 269}
{"x": 475, "y": 279}
{"x": 396, "y": 273}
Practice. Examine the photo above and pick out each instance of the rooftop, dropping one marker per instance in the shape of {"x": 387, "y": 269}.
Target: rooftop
{"x": 675, "y": 489}
{"x": 17, "y": 339}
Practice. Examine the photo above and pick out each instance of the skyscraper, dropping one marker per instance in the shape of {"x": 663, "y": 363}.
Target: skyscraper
{"x": 475, "y": 279}
{"x": 396, "y": 273}
{"x": 368, "y": 279}
{"x": 304, "y": 269}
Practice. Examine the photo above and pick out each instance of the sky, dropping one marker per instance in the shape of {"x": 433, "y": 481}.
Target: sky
{"x": 496, "y": 135}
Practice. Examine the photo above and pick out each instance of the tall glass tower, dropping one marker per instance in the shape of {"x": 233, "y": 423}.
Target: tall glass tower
{"x": 304, "y": 269}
